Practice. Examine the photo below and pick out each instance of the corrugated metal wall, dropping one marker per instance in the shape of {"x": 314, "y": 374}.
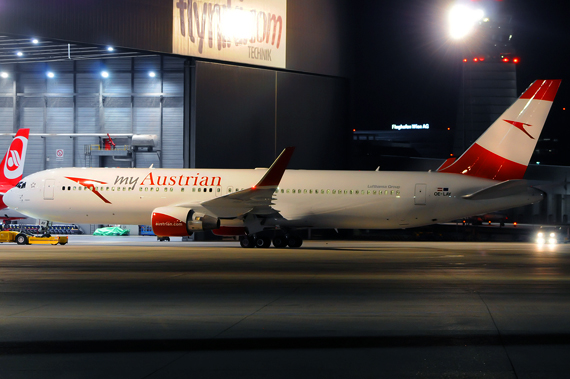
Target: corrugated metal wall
{"x": 78, "y": 100}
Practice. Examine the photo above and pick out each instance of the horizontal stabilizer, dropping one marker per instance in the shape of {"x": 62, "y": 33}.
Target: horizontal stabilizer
{"x": 503, "y": 189}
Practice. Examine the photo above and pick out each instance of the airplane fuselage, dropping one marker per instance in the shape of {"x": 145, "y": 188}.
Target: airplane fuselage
{"x": 305, "y": 198}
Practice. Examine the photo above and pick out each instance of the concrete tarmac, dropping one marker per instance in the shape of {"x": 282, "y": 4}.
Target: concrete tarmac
{"x": 132, "y": 307}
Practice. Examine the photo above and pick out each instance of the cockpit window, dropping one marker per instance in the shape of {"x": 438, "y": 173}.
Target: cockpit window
{"x": 21, "y": 185}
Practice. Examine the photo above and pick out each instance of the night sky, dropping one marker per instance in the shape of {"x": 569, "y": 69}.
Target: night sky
{"x": 408, "y": 71}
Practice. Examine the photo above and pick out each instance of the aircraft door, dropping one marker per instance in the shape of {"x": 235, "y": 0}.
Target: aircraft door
{"x": 49, "y": 189}
{"x": 420, "y": 194}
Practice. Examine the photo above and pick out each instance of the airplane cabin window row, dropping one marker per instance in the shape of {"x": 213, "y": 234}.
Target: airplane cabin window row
{"x": 231, "y": 189}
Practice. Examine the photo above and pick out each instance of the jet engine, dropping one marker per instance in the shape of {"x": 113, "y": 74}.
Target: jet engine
{"x": 178, "y": 221}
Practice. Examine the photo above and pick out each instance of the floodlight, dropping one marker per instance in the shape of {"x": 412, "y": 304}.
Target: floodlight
{"x": 3, "y": 75}
{"x": 104, "y": 74}
{"x": 152, "y": 74}
{"x": 110, "y": 48}
{"x": 19, "y": 53}
{"x": 462, "y": 19}
{"x": 50, "y": 74}
{"x": 35, "y": 41}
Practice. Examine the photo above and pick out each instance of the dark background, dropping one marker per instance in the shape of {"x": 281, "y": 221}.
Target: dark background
{"x": 392, "y": 58}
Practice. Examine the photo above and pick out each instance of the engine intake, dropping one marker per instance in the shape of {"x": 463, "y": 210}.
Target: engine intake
{"x": 179, "y": 222}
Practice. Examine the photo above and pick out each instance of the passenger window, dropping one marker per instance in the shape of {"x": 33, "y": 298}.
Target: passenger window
{"x": 391, "y": 192}
{"x": 287, "y": 191}
{"x": 304, "y": 191}
{"x": 199, "y": 189}
{"x": 146, "y": 189}
{"x": 193, "y": 189}
{"x": 334, "y": 192}
{"x": 351, "y": 192}
{"x": 63, "y": 188}
{"x": 356, "y": 192}
{"x": 182, "y": 189}
{"x": 293, "y": 190}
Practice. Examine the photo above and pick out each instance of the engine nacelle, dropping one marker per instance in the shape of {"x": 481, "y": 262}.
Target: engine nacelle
{"x": 180, "y": 222}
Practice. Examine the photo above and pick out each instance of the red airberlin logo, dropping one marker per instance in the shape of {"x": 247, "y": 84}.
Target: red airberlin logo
{"x": 520, "y": 125}
{"x": 90, "y": 184}
{"x": 13, "y": 166}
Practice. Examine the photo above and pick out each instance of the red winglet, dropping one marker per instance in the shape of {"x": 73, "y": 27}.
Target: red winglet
{"x": 273, "y": 176}
{"x": 542, "y": 90}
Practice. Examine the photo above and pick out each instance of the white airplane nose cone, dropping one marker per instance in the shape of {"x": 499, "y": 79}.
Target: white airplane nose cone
{"x": 10, "y": 198}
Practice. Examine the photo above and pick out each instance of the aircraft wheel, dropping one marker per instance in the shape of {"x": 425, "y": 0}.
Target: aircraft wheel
{"x": 21, "y": 239}
{"x": 280, "y": 241}
{"x": 246, "y": 242}
{"x": 262, "y": 242}
{"x": 294, "y": 241}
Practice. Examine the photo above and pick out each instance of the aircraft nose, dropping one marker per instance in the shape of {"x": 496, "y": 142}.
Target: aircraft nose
{"x": 11, "y": 198}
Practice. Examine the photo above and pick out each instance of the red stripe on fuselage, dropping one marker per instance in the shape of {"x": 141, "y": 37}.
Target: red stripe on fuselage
{"x": 542, "y": 90}
{"x": 480, "y": 162}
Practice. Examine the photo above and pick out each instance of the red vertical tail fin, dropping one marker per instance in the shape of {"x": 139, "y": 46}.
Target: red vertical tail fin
{"x": 12, "y": 166}
{"x": 504, "y": 150}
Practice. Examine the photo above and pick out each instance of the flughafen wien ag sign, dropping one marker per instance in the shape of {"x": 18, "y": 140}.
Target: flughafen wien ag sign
{"x": 242, "y": 31}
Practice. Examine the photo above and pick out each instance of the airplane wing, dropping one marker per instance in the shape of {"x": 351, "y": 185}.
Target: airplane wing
{"x": 255, "y": 200}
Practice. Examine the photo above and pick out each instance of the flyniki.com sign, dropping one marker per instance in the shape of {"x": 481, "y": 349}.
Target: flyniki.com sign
{"x": 243, "y": 31}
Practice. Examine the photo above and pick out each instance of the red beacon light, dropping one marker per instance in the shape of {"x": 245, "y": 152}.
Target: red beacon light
{"x": 475, "y": 59}
{"x": 505, "y": 59}
{"x": 482, "y": 59}
{"x": 464, "y": 59}
{"x": 515, "y": 60}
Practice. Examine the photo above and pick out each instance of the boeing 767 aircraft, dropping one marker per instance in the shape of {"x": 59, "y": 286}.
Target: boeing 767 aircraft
{"x": 268, "y": 205}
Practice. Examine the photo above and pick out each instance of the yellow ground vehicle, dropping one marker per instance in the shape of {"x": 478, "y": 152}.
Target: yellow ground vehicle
{"x": 22, "y": 238}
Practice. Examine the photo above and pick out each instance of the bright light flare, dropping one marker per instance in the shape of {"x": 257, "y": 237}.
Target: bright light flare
{"x": 4, "y": 75}
{"x": 462, "y": 19}
{"x": 543, "y": 238}
{"x": 239, "y": 24}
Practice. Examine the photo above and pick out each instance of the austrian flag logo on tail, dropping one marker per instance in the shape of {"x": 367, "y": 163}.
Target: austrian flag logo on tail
{"x": 520, "y": 126}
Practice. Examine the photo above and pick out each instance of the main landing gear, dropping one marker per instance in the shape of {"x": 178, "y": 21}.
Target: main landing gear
{"x": 263, "y": 242}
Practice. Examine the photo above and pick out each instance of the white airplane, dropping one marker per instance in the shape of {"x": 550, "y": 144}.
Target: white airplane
{"x": 12, "y": 166}
{"x": 268, "y": 205}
